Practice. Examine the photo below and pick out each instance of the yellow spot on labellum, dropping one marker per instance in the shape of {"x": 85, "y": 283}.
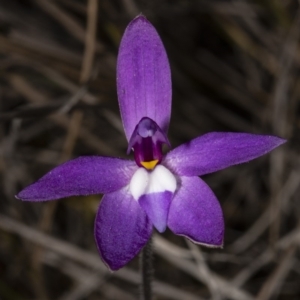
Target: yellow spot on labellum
{"x": 149, "y": 165}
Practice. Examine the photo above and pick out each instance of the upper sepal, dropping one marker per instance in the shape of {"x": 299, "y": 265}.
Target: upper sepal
{"x": 143, "y": 77}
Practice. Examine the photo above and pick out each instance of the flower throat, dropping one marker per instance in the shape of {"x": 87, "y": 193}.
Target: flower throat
{"x": 147, "y": 141}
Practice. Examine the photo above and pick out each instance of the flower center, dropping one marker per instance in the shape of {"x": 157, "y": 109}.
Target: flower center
{"x": 146, "y": 141}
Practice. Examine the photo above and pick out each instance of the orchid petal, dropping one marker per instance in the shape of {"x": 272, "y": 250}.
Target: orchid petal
{"x": 156, "y": 206}
{"x": 217, "y": 150}
{"x": 121, "y": 229}
{"x": 143, "y": 77}
{"x": 82, "y": 176}
{"x": 196, "y": 213}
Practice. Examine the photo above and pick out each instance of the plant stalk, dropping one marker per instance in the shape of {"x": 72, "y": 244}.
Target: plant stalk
{"x": 146, "y": 265}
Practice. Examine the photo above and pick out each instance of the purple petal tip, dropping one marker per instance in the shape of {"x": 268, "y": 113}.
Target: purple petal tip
{"x": 139, "y": 18}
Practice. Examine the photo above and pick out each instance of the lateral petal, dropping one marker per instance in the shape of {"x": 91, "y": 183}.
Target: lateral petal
{"x": 81, "y": 176}
{"x": 196, "y": 213}
{"x": 143, "y": 77}
{"x": 121, "y": 228}
{"x": 218, "y": 150}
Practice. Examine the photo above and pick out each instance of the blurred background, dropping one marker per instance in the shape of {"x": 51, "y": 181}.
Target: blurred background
{"x": 235, "y": 67}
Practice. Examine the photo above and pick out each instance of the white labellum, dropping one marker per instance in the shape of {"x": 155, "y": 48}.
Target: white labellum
{"x": 145, "y": 182}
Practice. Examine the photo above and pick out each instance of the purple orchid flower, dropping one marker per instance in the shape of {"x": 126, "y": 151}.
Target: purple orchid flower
{"x": 155, "y": 190}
